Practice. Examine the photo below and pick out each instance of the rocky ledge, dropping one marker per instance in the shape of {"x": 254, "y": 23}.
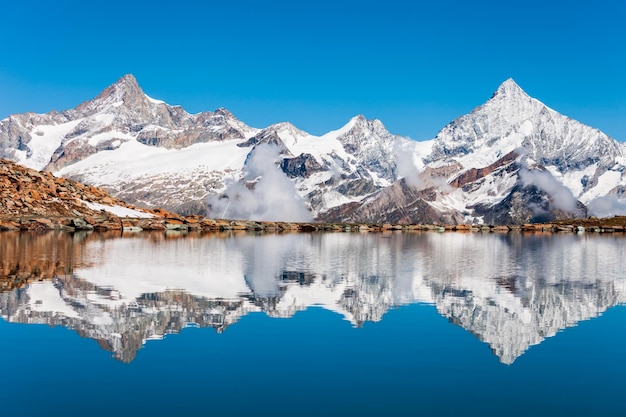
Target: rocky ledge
{"x": 34, "y": 200}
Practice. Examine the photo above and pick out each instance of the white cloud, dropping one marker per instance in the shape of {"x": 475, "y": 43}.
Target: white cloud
{"x": 268, "y": 195}
{"x": 607, "y": 206}
{"x": 405, "y": 166}
{"x": 562, "y": 197}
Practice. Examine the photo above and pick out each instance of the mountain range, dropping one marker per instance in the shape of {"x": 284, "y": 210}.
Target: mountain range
{"x": 511, "y": 160}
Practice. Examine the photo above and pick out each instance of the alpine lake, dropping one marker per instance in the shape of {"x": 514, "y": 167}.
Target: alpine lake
{"x": 319, "y": 324}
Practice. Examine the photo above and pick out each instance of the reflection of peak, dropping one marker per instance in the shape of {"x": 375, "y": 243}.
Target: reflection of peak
{"x": 513, "y": 319}
{"x": 538, "y": 286}
{"x": 119, "y": 326}
{"x": 517, "y": 313}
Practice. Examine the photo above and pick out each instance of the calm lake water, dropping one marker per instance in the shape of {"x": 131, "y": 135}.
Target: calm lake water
{"x": 312, "y": 324}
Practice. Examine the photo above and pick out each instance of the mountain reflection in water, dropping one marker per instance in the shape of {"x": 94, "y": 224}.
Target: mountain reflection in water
{"x": 511, "y": 291}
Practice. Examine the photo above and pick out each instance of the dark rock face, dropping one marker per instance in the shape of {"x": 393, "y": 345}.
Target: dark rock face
{"x": 357, "y": 185}
{"x": 301, "y": 166}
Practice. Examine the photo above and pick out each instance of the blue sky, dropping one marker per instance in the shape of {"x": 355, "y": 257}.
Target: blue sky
{"x": 414, "y": 65}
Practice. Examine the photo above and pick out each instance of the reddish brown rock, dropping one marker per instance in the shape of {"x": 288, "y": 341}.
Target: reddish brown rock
{"x": 475, "y": 174}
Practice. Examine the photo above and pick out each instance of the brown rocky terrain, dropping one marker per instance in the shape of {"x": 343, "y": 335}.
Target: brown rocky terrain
{"x": 34, "y": 200}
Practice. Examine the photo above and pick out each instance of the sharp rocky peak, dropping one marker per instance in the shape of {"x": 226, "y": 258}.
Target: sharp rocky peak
{"x": 125, "y": 88}
{"x": 224, "y": 112}
{"x": 125, "y": 91}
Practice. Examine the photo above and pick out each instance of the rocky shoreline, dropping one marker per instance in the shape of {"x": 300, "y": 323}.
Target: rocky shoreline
{"x": 164, "y": 221}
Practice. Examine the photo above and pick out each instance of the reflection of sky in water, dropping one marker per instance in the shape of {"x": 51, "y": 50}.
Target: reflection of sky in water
{"x": 509, "y": 291}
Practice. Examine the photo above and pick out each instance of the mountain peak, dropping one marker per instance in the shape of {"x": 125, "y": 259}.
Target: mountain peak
{"x": 360, "y": 122}
{"x": 224, "y": 112}
{"x": 127, "y": 78}
{"x": 509, "y": 88}
{"x": 125, "y": 90}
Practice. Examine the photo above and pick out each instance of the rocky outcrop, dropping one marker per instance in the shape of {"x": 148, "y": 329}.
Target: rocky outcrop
{"x": 267, "y": 136}
{"x": 475, "y": 174}
{"x": 300, "y": 166}
{"x": 29, "y": 193}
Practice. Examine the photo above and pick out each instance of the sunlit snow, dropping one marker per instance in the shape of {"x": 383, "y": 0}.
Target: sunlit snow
{"x": 118, "y": 210}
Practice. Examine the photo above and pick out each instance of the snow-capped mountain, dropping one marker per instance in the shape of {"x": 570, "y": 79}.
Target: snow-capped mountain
{"x": 121, "y": 113}
{"x": 579, "y": 156}
{"x": 152, "y": 154}
{"x": 510, "y": 160}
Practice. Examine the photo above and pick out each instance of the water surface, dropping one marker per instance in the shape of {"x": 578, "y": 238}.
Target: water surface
{"x": 311, "y": 324}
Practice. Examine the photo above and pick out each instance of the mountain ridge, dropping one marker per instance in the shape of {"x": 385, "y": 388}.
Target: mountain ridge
{"x": 152, "y": 154}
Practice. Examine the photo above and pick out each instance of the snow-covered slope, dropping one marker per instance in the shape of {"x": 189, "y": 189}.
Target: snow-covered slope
{"x": 505, "y": 156}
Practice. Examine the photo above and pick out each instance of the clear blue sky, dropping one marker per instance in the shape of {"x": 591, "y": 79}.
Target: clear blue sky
{"x": 414, "y": 65}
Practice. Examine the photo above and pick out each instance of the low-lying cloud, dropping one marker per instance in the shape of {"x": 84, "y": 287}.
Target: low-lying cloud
{"x": 405, "y": 167}
{"x": 562, "y": 197}
{"x": 607, "y": 206}
{"x": 265, "y": 193}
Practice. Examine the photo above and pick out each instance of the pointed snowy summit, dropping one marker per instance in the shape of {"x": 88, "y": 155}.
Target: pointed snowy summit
{"x": 509, "y": 88}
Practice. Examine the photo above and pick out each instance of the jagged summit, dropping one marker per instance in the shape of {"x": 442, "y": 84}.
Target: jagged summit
{"x": 360, "y": 123}
{"x": 127, "y": 80}
{"x": 125, "y": 91}
{"x": 360, "y": 120}
{"x": 222, "y": 111}
{"x": 513, "y": 119}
